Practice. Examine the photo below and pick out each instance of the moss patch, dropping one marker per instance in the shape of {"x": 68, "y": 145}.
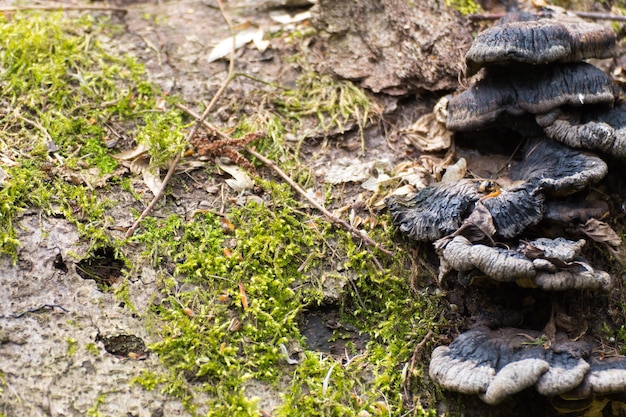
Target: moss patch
{"x": 464, "y": 6}
{"x": 230, "y": 297}
{"x": 66, "y": 99}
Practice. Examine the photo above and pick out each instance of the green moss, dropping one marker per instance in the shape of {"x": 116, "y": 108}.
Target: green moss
{"x": 122, "y": 293}
{"x": 332, "y": 102}
{"x": 61, "y": 90}
{"x": 93, "y": 410}
{"x": 149, "y": 380}
{"x": 92, "y": 349}
{"x": 240, "y": 304}
{"x": 228, "y": 299}
{"x": 72, "y": 346}
{"x": 163, "y": 134}
{"x": 243, "y": 305}
{"x": 464, "y": 7}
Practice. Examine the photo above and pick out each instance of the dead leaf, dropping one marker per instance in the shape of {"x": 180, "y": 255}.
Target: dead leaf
{"x": 456, "y": 171}
{"x": 151, "y": 179}
{"x": 91, "y": 177}
{"x": 600, "y": 231}
{"x": 478, "y": 226}
{"x": 429, "y": 133}
{"x": 348, "y": 170}
{"x": 286, "y": 18}
{"x": 227, "y": 226}
{"x": 405, "y": 191}
{"x": 240, "y": 180}
{"x": 225, "y": 47}
{"x": 372, "y": 183}
{"x": 416, "y": 175}
{"x": 131, "y": 154}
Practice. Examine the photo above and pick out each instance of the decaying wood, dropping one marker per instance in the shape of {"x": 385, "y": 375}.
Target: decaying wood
{"x": 393, "y": 45}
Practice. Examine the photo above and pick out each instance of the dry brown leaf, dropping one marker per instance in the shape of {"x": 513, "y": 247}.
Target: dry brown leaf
{"x": 138, "y": 151}
{"x": 478, "y": 226}
{"x": 600, "y": 231}
{"x": 225, "y": 46}
{"x": 429, "y": 133}
{"x": 141, "y": 165}
{"x": 455, "y": 171}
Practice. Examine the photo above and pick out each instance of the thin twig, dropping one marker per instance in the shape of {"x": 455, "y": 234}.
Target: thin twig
{"x": 347, "y": 226}
{"x": 419, "y": 347}
{"x": 270, "y": 164}
{"x": 44, "y": 307}
{"x": 61, "y": 7}
{"x": 600, "y": 16}
{"x": 214, "y": 129}
{"x": 194, "y": 129}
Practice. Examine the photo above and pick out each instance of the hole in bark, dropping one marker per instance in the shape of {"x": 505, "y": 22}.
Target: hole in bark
{"x": 124, "y": 345}
{"x": 103, "y": 267}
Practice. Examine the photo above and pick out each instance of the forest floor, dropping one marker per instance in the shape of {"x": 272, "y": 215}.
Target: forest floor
{"x": 236, "y": 295}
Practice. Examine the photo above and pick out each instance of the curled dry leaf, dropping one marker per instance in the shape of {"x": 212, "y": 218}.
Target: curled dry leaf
{"x": 429, "y": 133}
{"x": 372, "y": 183}
{"x": 240, "y": 180}
{"x": 351, "y": 170}
{"x": 151, "y": 179}
{"x": 138, "y": 151}
{"x": 138, "y": 161}
{"x": 600, "y": 231}
{"x": 286, "y": 18}
{"x": 455, "y": 171}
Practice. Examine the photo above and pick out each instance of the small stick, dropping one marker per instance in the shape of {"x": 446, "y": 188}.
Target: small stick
{"x": 270, "y": 164}
{"x": 45, "y": 307}
{"x": 192, "y": 133}
{"x": 334, "y": 219}
{"x": 419, "y": 347}
{"x": 600, "y": 16}
{"x": 62, "y": 7}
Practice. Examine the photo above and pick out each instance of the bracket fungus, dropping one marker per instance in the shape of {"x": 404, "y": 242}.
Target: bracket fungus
{"x": 528, "y": 89}
{"x": 534, "y": 84}
{"x": 498, "y": 363}
{"x": 548, "y": 264}
{"x": 598, "y": 129}
{"x": 557, "y": 169}
{"x": 539, "y": 41}
{"x": 434, "y": 211}
{"x": 606, "y": 376}
{"x": 548, "y": 167}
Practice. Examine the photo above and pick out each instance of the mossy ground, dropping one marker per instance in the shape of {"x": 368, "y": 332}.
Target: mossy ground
{"x": 233, "y": 287}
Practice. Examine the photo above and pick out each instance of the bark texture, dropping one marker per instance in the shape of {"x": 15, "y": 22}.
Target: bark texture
{"x": 394, "y": 46}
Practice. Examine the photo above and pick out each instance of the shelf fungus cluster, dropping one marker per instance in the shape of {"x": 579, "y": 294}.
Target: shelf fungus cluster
{"x": 497, "y": 363}
{"x": 530, "y": 76}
